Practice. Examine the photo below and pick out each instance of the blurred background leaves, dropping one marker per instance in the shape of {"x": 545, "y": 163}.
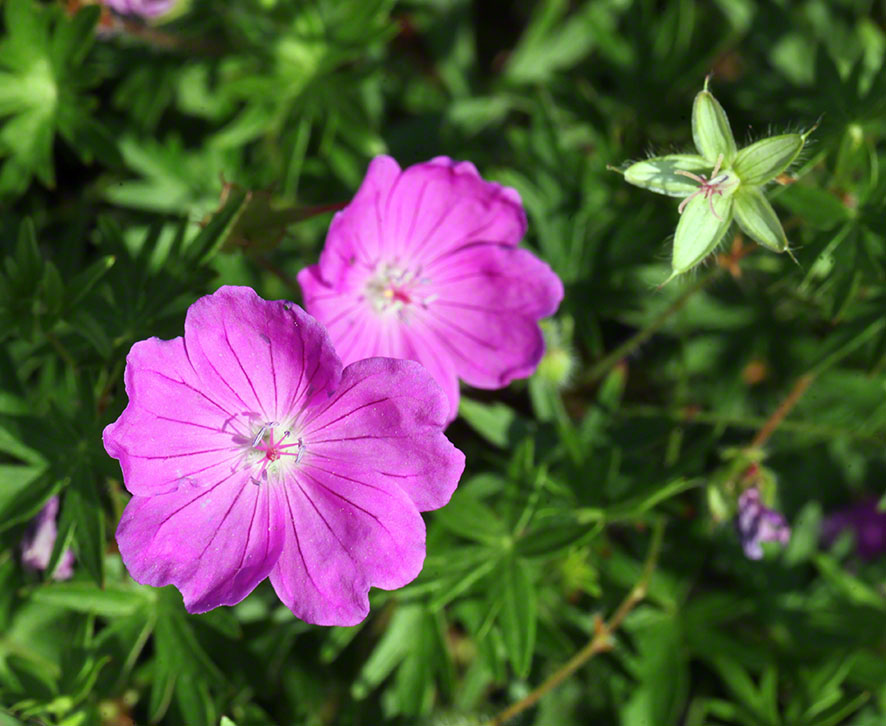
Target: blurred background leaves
{"x": 138, "y": 161}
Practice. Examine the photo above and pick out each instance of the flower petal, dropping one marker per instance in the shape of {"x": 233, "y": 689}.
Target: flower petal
{"x": 215, "y": 543}
{"x": 261, "y": 357}
{"x": 418, "y": 213}
{"x": 173, "y": 430}
{"x": 347, "y": 528}
{"x": 388, "y": 415}
{"x": 485, "y": 315}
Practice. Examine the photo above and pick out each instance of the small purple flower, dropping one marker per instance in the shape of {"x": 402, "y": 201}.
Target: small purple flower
{"x": 251, "y": 453}
{"x": 757, "y": 523}
{"x": 39, "y": 540}
{"x": 144, "y": 8}
{"x": 423, "y": 264}
{"x": 866, "y": 523}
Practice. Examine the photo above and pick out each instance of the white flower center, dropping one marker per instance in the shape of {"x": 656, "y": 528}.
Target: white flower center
{"x": 273, "y": 451}
{"x": 393, "y": 288}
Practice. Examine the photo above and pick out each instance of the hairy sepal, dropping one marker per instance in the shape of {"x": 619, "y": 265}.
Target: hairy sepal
{"x": 711, "y": 131}
{"x": 757, "y": 219}
{"x": 659, "y": 174}
{"x": 766, "y": 159}
{"x": 699, "y": 231}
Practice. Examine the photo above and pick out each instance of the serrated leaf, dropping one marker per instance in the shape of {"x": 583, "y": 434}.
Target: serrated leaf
{"x": 518, "y": 615}
{"x": 758, "y": 220}
{"x": 711, "y": 131}
{"x": 660, "y": 174}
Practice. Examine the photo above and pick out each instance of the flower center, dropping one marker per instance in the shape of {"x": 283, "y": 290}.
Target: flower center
{"x": 395, "y": 288}
{"x": 707, "y": 187}
{"x": 271, "y": 443}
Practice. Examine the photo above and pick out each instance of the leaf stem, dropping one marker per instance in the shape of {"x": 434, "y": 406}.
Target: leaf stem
{"x": 786, "y": 406}
{"x": 602, "y": 367}
{"x": 602, "y": 639}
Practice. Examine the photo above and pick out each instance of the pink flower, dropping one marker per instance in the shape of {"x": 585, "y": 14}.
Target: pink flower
{"x": 867, "y": 524}
{"x": 423, "y": 264}
{"x": 756, "y": 523}
{"x": 251, "y": 453}
{"x": 39, "y": 540}
{"x": 144, "y": 8}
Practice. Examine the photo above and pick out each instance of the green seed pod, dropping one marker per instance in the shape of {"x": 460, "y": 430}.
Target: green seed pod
{"x": 763, "y": 161}
{"x": 710, "y": 128}
{"x": 700, "y": 231}
{"x": 757, "y": 219}
{"x": 660, "y": 174}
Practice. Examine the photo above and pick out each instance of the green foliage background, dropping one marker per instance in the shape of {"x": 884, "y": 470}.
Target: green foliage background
{"x": 143, "y": 165}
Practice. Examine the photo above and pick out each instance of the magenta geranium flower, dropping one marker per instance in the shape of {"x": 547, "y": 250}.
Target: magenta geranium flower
{"x": 144, "y": 8}
{"x": 251, "y": 453}
{"x": 423, "y": 264}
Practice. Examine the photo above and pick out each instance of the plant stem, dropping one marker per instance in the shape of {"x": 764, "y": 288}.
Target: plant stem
{"x": 602, "y": 640}
{"x": 772, "y": 423}
{"x": 688, "y": 416}
{"x": 602, "y": 367}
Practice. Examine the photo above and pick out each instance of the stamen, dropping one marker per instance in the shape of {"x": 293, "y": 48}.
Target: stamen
{"x": 259, "y": 436}
{"x": 707, "y": 187}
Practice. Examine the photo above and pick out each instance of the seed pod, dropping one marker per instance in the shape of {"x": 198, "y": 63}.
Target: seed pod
{"x": 757, "y": 219}
{"x": 660, "y": 175}
{"x": 699, "y": 231}
{"x": 710, "y": 128}
{"x": 763, "y": 161}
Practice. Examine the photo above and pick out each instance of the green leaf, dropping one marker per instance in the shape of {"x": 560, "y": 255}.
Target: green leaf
{"x": 766, "y": 159}
{"x": 23, "y": 492}
{"x": 518, "y": 615}
{"x": 468, "y": 517}
{"x": 819, "y": 208}
{"x": 213, "y": 236}
{"x": 710, "y": 128}
{"x": 757, "y": 219}
{"x": 84, "y": 281}
{"x": 497, "y": 423}
{"x": 84, "y": 597}
{"x": 661, "y": 174}
{"x": 390, "y": 651}
{"x": 699, "y": 231}
{"x": 89, "y": 533}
